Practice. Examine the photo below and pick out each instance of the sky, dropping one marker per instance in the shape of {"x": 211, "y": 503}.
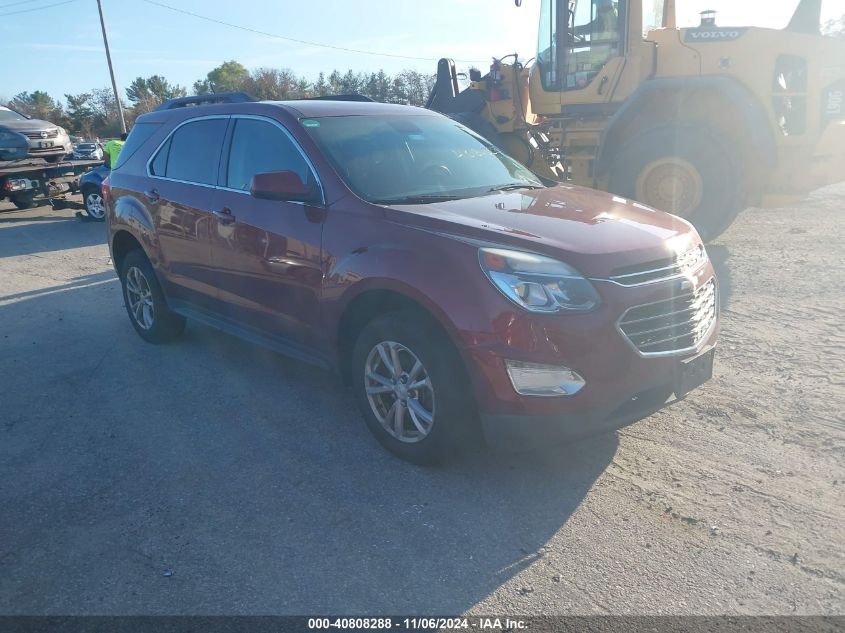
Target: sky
{"x": 64, "y": 53}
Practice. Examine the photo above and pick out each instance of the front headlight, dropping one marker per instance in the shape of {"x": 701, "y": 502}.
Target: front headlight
{"x": 538, "y": 283}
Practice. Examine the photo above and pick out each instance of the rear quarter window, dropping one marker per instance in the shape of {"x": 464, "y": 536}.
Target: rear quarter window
{"x": 138, "y": 135}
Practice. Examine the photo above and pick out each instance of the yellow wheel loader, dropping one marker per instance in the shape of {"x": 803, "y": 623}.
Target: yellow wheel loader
{"x": 700, "y": 122}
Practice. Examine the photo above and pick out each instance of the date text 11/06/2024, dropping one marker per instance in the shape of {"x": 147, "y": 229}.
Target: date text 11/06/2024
{"x": 438, "y": 624}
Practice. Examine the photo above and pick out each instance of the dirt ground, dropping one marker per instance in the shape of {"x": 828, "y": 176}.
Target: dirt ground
{"x": 212, "y": 477}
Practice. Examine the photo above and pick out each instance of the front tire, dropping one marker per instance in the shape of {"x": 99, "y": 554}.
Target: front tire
{"x": 145, "y": 302}
{"x": 94, "y": 204}
{"x": 410, "y": 385}
{"x": 686, "y": 171}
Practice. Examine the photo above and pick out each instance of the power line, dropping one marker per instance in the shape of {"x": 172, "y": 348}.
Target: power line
{"x": 14, "y": 4}
{"x": 46, "y": 6}
{"x": 298, "y": 41}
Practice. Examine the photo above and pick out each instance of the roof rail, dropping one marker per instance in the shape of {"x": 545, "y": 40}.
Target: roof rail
{"x": 349, "y": 97}
{"x": 215, "y": 97}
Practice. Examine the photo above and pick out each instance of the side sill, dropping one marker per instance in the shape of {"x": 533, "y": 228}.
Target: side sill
{"x": 276, "y": 344}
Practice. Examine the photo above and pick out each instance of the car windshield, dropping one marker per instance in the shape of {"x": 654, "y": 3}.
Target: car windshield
{"x": 86, "y": 146}
{"x": 414, "y": 159}
{"x": 10, "y": 115}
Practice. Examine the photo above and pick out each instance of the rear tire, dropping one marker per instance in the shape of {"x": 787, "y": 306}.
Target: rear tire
{"x": 145, "y": 302}
{"x": 435, "y": 402}
{"x": 686, "y": 171}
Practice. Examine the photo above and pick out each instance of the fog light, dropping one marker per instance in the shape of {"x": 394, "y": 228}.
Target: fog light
{"x": 531, "y": 379}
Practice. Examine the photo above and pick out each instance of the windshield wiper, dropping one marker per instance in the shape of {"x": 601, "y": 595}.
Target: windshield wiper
{"x": 511, "y": 186}
{"x": 420, "y": 199}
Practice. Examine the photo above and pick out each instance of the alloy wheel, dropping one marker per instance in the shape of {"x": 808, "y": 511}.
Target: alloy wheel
{"x": 95, "y": 206}
{"x": 140, "y": 297}
{"x": 399, "y": 391}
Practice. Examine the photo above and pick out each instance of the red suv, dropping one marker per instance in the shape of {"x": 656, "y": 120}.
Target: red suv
{"x": 447, "y": 282}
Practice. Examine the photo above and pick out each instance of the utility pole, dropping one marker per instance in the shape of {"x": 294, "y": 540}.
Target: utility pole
{"x": 111, "y": 70}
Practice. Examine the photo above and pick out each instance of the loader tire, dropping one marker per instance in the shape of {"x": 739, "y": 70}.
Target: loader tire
{"x": 685, "y": 171}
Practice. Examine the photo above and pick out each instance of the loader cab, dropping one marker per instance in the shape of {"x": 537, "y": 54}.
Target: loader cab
{"x": 577, "y": 38}
{"x": 582, "y": 50}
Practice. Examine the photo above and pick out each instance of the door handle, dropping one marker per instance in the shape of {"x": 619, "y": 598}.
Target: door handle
{"x": 602, "y": 84}
{"x": 152, "y": 195}
{"x": 224, "y": 215}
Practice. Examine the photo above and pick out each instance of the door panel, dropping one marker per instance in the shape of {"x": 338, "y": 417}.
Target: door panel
{"x": 267, "y": 264}
{"x": 183, "y": 227}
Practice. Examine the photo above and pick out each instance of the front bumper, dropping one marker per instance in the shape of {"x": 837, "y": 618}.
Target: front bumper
{"x": 536, "y": 431}
{"x": 622, "y": 385}
{"x": 50, "y": 147}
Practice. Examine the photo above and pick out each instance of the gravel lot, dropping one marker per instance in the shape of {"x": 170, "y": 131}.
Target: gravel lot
{"x": 213, "y": 477}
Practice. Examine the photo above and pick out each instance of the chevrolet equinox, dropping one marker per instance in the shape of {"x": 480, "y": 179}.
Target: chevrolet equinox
{"x": 453, "y": 289}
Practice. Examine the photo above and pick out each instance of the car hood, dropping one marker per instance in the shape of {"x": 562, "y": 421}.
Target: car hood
{"x": 95, "y": 175}
{"x": 30, "y": 125}
{"x": 594, "y": 231}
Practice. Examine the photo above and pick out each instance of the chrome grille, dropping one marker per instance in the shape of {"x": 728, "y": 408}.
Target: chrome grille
{"x": 673, "y": 325}
{"x": 660, "y": 269}
{"x": 37, "y": 134}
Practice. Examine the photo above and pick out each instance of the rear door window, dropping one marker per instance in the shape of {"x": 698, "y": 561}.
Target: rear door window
{"x": 193, "y": 152}
{"x": 258, "y": 147}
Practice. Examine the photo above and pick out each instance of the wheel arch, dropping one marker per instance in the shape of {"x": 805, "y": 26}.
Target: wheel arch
{"x": 90, "y": 186}
{"x": 365, "y": 303}
{"x": 123, "y": 242}
{"x": 742, "y": 122}
{"x": 130, "y": 217}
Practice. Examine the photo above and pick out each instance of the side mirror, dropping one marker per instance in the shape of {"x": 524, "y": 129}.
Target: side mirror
{"x": 283, "y": 185}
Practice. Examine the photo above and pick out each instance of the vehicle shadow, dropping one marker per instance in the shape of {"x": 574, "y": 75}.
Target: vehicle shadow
{"x": 27, "y": 234}
{"x": 719, "y": 257}
{"x": 210, "y": 476}
{"x": 78, "y": 282}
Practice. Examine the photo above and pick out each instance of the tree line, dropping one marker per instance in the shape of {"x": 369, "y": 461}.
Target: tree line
{"x": 94, "y": 114}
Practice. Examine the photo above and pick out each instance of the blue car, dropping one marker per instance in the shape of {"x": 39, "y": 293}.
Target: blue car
{"x": 13, "y": 146}
{"x": 90, "y": 184}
